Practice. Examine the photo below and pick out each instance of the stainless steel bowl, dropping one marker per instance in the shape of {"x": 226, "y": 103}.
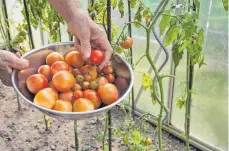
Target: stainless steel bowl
{"x": 37, "y": 58}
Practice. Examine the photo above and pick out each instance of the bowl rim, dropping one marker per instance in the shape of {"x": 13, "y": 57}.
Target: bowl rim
{"x": 103, "y": 109}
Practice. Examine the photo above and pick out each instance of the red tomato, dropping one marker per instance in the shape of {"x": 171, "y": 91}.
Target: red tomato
{"x": 110, "y": 78}
{"x": 83, "y": 105}
{"x": 68, "y": 95}
{"x": 63, "y": 81}
{"x": 108, "y": 93}
{"x": 97, "y": 56}
{"x": 59, "y": 66}
{"x": 75, "y": 59}
{"x": 93, "y": 96}
{"x": 36, "y": 82}
{"x": 108, "y": 69}
{"x": 45, "y": 70}
{"x": 126, "y": 43}
{"x": 101, "y": 80}
{"x": 77, "y": 94}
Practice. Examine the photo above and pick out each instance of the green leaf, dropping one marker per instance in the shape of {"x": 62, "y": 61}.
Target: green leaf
{"x": 184, "y": 45}
{"x": 200, "y": 37}
{"x": 171, "y": 35}
{"x": 114, "y": 3}
{"x": 147, "y": 13}
{"x": 177, "y": 56}
{"x": 133, "y": 3}
{"x": 117, "y": 132}
{"x": 121, "y": 7}
{"x": 225, "y": 4}
{"x": 172, "y": 21}
{"x": 164, "y": 22}
{"x": 197, "y": 3}
{"x": 146, "y": 81}
{"x": 180, "y": 102}
{"x": 125, "y": 139}
{"x": 138, "y": 16}
{"x": 136, "y": 136}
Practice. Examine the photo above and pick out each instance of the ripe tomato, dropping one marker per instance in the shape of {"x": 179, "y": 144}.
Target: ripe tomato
{"x": 127, "y": 43}
{"x": 108, "y": 69}
{"x": 79, "y": 78}
{"x": 59, "y": 66}
{"x": 110, "y": 78}
{"x": 108, "y": 93}
{"x": 75, "y": 72}
{"x": 93, "y": 96}
{"x": 63, "y": 81}
{"x": 83, "y": 105}
{"x": 53, "y": 57}
{"x": 36, "y": 82}
{"x": 101, "y": 80}
{"x": 53, "y": 92}
{"x": 77, "y": 94}
{"x": 89, "y": 69}
{"x": 87, "y": 77}
{"x": 46, "y": 71}
{"x": 44, "y": 99}
{"x": 76, "y": 87}
{"x": 68, "y": 95}
{"x": 62, "y": 105}
{"x": 97, "y": 56}
{"x": 75, "y": 59}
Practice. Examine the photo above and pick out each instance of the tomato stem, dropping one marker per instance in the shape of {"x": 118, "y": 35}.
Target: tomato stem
{"x": 105, "y": 132}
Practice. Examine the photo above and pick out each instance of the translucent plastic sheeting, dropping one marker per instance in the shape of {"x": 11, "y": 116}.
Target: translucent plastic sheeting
{"x": 209, "y": 118}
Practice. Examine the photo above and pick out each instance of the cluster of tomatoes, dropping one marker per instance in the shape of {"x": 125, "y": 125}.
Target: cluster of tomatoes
{"x": 71, "y": 84}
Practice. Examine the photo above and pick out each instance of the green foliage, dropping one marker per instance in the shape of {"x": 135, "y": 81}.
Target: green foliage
{"x": 180, "y": 102}
{"x": 41, "y": 10}
{"x": 165, "y": 22}
{"x": 171, "y": 35}
{"x": 121, "y": 7}
{"x": 225, "y": 4}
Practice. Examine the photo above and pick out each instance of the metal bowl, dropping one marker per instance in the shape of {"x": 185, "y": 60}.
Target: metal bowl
{"x": 37, "y": 58}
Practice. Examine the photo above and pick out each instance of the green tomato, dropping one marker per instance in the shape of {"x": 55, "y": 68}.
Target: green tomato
{"x": 119, "y": 50}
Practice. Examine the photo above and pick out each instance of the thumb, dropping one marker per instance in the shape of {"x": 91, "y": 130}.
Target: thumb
{"x": 85, "y": 48}
{"x": 18, "y": 63}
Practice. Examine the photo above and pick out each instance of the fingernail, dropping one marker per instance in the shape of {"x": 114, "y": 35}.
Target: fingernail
{"x": 87, "y": 54}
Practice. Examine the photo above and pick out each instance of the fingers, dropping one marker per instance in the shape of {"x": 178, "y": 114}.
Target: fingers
{"x": 105, "y": 45}
{"x": 11, "y": 60}
{"x": 85, "y": 47}
{"x": 5, "y": 76}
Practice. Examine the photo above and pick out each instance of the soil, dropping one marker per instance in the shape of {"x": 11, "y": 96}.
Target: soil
{"x": 24, "y": 130}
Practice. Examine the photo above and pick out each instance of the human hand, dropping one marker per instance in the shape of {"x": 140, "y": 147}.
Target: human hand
{"x": 89, "y": 35}
{"x": 8, "y": 61}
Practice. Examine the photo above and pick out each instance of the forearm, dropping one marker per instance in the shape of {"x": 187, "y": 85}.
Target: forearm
{"x": 65, "y": 8}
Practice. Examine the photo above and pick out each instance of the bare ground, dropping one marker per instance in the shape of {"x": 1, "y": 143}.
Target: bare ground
{"x": 24, "y": 130}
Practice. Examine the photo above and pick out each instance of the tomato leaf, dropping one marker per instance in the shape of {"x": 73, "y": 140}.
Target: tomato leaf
{"x": 197, "y": 3}
{"x": 114, "y": 3}
{"x": 225, "y": 4}
{"x": 117, "y": 132}
{"x": 125, "y": 139}
{"x": 171, "y": 35}
{"x": 200, "y": 37}
{"x": 136, "y": 136}
{"x": 184, "y": 45}
{"x": 121, "y": 7}
{"x": 177, "y": 56}
{"x": 164, "y": 22}
{"x": 180, "y": 102}
{"x": 138, "y": 16}
{"x": 133, "y": 3}
{"x": 146, "y": 81}
{"x": 147, "y": 13}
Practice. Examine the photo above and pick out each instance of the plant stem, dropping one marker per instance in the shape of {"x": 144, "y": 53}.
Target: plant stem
{"x": 76, "y": 136}
{"x": 105, "y": 131}
{"x": 29, "y": 26}
{"x": 140, "y": 59}
{"x": 161, "y": 89}
{"x": 46, "y": 123}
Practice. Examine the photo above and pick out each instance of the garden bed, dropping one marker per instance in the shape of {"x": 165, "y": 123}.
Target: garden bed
{"x": 24, "y": 130}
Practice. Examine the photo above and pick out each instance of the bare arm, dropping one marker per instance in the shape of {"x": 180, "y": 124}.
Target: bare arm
{"x": 65, "y": 8}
